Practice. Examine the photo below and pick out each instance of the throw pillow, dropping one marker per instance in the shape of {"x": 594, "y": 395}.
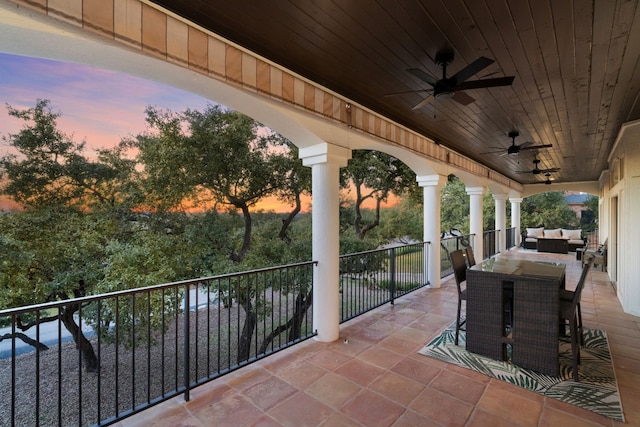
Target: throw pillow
{"x": 555, "y": 233}
{"x": 572, "y": 234}
{"x": 534, "y": 233}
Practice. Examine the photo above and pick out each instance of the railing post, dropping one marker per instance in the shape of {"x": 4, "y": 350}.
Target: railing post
{"x": 13, "y": 371}
{"x": 392, "y": 281}
{"x": 425, "y": 258}
{"x": 187, "y": 356}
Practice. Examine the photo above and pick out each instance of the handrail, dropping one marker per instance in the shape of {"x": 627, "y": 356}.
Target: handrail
{"x": 138, "y": 347}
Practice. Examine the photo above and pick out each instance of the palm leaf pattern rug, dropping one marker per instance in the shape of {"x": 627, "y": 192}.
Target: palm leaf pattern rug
{"x": 597, "y": 390}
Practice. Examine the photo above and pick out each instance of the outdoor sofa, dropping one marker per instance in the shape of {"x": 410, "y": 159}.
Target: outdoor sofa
{"x": 574, "y": 238}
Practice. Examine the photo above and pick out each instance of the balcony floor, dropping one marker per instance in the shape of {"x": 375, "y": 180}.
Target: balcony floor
{"x": 373, "y": 375}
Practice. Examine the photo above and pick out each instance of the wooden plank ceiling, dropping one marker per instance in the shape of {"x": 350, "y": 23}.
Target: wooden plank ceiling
{"x": 576, "y": 66}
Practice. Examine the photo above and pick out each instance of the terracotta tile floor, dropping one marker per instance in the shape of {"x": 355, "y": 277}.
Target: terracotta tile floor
{"x": 373, "y": 375}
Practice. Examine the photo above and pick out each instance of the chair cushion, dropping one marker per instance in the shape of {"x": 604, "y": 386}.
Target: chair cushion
{"x": 572, "y": 234}
{"x": 534, "y": 233}
{"x": 554, "y": 233}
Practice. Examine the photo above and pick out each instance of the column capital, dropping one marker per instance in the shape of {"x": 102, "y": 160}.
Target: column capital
{"x": 324, "y": 153}
{"x": 515, "y": 199}
{"x": 500, "y": 196}
{"x": 434, "y": 180}
{"x": 477, "y": 191}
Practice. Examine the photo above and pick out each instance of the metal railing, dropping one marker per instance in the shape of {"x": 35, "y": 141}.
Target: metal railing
{"x": 592, "y": 240}
{"x": 139, "y": 347}
{"x": 449, "y": 244}
{"x": 490, "y": 241}
{"x": 510, "y": 237}
{"x": 132, "y": 349}
{"x": 373, "y": 278}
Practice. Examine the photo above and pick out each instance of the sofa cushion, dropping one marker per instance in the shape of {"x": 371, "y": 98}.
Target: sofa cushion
{"x": 534, "y": 233}
{"x": 554, "y": 233}
{"x": 572, "y": 234}
{"x": 579, "y": 242}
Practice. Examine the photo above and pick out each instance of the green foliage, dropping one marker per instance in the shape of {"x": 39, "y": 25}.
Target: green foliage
{"x": 402, "y": 220}
{"x": 217, "y": 159}
{"x": 364, "y": 263}
{"x": 49, "y": 251}
{"x": 374, "y": 176}
{"x": 402, "y": 286}
{"x": 454, "y": 208}
{"x": 350, "y": 243}
{"x": 589, "y": 218}
{"x": 549, "y": 209}
{"x": 84, "y": 232}
{"x": 269, "y": 250}
{"x": 51, "y": 168}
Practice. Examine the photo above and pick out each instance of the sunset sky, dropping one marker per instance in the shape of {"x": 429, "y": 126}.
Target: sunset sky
{"x": 96, "y": 105}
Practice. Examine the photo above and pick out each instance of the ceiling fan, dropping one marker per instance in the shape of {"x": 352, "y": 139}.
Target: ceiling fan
{"x": 536, "y": 169}
{"x": 452, "y": 87}
{"x": 515, "y": 149}
{"x": 548, "y": 181}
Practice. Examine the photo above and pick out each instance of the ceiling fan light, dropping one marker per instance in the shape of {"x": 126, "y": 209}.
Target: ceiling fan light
{"x": 444, "y": 94}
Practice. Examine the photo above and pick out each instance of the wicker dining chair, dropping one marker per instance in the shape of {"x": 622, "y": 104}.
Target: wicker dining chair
{"x": 599, "y": 256}
{"x": 471, "y": 259}
{"x": 570, "y": 313}
{"x": 460, "y": 273}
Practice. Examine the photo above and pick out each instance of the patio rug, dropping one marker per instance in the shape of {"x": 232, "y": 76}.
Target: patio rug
{"x": 597, "y": 390}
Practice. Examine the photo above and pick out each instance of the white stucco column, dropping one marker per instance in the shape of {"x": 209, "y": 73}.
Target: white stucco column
{"x": 515, "y": 218}
{"x": 475, "y": 220}
{"x": 325, "y": 161}
{"x": 431, "y": 185}
{"x": 501, "y": 220}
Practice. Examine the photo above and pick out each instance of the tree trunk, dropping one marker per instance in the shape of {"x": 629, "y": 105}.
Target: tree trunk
{"x": 358, "y": 213}
{"x": 82, "y": 343}
{"x": 293, "y": 325}
{"x": 246, "y": 241}
{"x": 26, "y": 339}
{"x": 282, "y": 235}
{"x": 364, "y": 230}
{"x": 250, "y": 322}
{"x": 302, "y": 305}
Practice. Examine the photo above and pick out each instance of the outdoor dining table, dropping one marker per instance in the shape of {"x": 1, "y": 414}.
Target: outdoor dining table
{"x": 512, "y": 312}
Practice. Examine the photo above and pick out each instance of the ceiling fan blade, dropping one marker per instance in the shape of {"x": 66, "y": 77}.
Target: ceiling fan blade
{"x": 540, "y": 171}
{"x": 423, "y": 76}
{"x": 424, "y": 102}
{"x": 496, "y": 151}
{"x": 535, "y": 147}
{"x": 479, "y": 84}
{"x": 462, "y": 98}
{"x": 524, "y": 145}
{"x": 405, "y": 92}
{"x": 471, "y": 69}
